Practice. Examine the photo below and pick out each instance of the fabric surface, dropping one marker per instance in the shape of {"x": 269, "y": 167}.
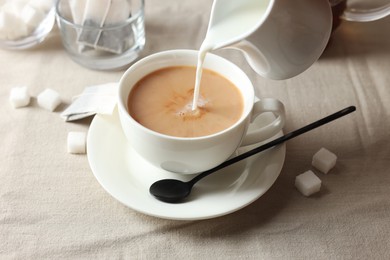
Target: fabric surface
{"x": 52, "y": 207}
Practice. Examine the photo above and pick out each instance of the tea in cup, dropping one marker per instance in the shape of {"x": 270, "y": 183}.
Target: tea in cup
{"x": 168, "y": 93}
{"x": 154, "y": 104}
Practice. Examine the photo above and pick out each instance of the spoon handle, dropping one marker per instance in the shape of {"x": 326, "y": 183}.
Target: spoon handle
{"x": 276, "y": 141}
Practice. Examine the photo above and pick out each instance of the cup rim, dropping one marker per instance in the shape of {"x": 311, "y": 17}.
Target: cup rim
{"x": 123, "y": 107}
{"x": 129, "y": 20}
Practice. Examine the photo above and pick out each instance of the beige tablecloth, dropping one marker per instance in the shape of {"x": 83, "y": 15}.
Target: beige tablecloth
{"x": 51, "y": 205}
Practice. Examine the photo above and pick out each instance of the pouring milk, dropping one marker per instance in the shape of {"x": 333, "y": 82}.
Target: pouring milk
{"x": 230, "y": 22}
{"x": 279, "y": 38}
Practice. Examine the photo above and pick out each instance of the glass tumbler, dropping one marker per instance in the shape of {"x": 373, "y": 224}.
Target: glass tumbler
{"x": 99, "y": 35}
{"x": 358, "y": 10}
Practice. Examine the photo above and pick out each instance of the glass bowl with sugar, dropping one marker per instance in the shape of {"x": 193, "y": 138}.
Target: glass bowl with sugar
{"x": 25, "y": 23}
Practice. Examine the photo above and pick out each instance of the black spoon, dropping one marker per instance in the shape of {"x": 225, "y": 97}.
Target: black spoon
{"x": 171, "y": 190}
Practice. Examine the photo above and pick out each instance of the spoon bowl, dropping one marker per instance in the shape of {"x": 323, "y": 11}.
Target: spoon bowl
{"x": 171, "y": 190}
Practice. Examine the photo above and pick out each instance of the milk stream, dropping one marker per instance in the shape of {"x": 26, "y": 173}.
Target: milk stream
{"x": 199, "y": 69}
{"x": 232, "y": 20}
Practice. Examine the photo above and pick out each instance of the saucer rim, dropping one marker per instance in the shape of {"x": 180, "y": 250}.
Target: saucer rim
{"x": 99, "y": 121}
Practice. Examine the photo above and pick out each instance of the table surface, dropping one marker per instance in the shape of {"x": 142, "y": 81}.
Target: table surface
{"x": 51, "y": 205}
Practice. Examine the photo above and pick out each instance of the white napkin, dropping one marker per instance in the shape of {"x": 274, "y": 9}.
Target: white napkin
{"x": 98, "y": 99}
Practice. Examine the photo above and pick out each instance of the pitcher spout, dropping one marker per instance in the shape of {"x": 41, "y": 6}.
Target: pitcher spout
{"x": 253, "y": 56}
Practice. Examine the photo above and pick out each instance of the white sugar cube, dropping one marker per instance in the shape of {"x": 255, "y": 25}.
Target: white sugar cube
{"x": 77, "y": 142}
{"x": 49, "y": 99}
{"x": 324, "y": 160}
{"x": 18, "y": 18}
{"x": 308, "y": 183}
{"x": 21, "y": 2}
{"x": 43, "y": 5}
{"x": 32, "y": 17}
{"x": 13, "y": 6}
{"x": 11, "y": 25}
{"x": 19, "y": 97}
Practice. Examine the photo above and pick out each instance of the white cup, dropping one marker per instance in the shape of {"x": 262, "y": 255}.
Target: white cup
{"x": 195, "y": 154}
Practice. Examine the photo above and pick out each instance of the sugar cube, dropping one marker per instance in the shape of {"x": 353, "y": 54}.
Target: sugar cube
{"x": 31, "y": 16}
{"x": 21, "y": 2}
{"x": 13, "y": 6}
{"x": 49, "y": 99}
{"x": 76, "y": 142}
{"x": 307, "y": 183}
{"x": 19, "y": 18}
{"x": 19, "y": 97}
{"x": 11, "y": 25}
{"x": 324, "y": 160}
{"x": 43, "y": 5}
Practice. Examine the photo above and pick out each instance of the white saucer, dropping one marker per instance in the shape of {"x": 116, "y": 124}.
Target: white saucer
{"x": 127, "y": 176}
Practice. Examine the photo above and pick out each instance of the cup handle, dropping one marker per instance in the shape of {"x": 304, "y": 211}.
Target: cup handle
{"x": 268, "y": 131}
{"x": 367, "y": 15}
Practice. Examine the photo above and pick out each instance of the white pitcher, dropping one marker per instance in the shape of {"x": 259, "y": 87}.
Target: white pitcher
{"x": 279, "y": 38}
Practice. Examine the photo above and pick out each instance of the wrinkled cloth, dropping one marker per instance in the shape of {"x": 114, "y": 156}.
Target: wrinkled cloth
{"x": 52, "y": 207}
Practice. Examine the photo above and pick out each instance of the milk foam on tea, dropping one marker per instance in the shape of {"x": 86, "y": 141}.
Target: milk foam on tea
{"x": 162, "y": 102}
